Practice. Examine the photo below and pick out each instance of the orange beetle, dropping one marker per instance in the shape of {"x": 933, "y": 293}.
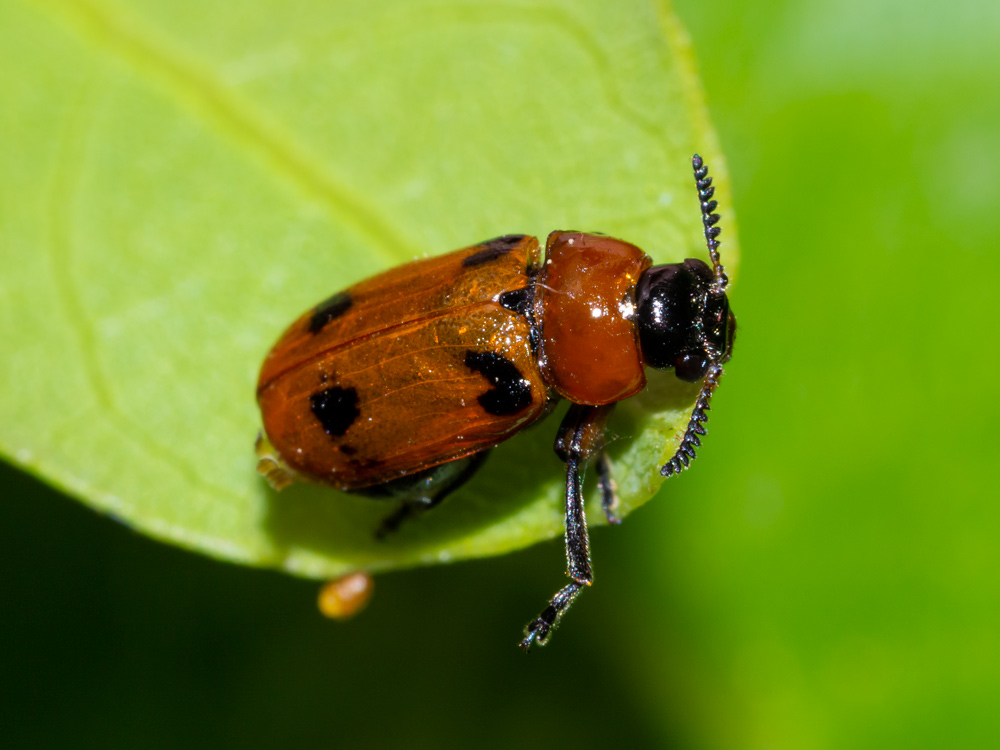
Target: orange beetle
{"x": 398, "y": 386}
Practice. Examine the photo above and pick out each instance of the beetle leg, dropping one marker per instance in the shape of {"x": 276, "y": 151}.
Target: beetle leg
{"x": 422, "y": 491}
{"x": 390, "y": 523}
{"x": 411, "y": 506}
{"x": 606, "y": 486}
{"x": 270, "y": 466}
{"x": 581, "y": 436}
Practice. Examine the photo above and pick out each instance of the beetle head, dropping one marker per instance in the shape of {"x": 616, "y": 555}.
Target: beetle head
{"x": 683, "y": 319}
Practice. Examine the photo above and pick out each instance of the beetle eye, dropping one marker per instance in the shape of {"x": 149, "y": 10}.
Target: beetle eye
{"x": 691, "y": 366}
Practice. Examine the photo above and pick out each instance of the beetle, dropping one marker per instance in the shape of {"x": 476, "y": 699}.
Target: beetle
{"x": 398, "y": 386}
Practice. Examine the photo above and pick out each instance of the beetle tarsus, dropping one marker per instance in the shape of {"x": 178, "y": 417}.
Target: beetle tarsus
{"x": 539, "y": 629}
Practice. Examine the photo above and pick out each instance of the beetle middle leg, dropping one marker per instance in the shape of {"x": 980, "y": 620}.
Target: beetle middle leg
{"x": 606, "y": 486}
{"x": 581, "y": 437}
{"x": 423, "y": 490}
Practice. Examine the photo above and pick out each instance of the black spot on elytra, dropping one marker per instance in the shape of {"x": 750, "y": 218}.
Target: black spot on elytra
{"x": 518, "y": 301}
{"x": 333, "y": 308}
{"x": 510, "y": 393}
{"x": 522, "y": 302}
{"x": 348, "y": 450}
{"x": 336, "y": 409}
{"x": 493, "y": 249}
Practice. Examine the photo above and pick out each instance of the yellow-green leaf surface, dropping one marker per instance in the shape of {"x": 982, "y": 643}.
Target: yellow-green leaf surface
{"x": 179, "y": 180}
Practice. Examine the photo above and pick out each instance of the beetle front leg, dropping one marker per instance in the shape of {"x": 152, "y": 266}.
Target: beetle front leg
{"x": 581, "y": 435}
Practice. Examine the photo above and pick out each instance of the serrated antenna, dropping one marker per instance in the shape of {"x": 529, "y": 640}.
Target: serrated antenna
{"x": 685, "y": 451}
{"x": 705, "y": 192}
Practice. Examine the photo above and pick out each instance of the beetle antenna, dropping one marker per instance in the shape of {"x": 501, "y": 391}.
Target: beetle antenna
{"x": 685, "y": 451}
{"x": 709, "y": 219}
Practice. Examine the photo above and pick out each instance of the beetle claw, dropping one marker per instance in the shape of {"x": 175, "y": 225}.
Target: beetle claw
{"x": 537, "y": 631}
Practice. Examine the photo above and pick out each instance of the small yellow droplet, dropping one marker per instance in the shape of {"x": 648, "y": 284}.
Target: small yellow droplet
{"x": 344, "y": 597}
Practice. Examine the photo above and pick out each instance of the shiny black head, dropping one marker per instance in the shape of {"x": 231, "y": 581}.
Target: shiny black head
{"x": 683, "y": 318}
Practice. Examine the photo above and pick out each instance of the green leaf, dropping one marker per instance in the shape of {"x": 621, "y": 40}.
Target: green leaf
{"x": 179, "y": 181}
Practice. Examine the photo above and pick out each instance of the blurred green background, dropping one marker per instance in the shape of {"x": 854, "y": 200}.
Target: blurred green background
{"x": 827, "y": 577}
